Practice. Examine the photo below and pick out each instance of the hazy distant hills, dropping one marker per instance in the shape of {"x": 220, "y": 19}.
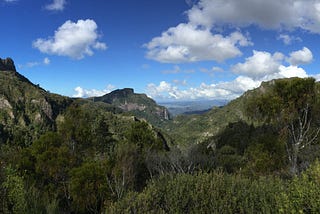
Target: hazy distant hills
{"x": 192, "y": 107}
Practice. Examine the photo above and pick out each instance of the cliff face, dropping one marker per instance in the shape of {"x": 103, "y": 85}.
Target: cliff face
{"x": 7, "y": 65}
{"x": 140, "y": 105}
{"x": 26, "y": 110}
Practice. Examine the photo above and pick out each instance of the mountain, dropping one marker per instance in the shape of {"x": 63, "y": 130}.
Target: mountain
{"x": 139, "y": 105}
{"x": 27, "y": 111}
{"x": 74, "y": 153}
{"x": 67, "y": 155}
{"x": 193, "y": 129}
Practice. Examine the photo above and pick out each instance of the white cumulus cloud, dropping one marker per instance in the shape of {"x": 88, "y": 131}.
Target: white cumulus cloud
{"x": 271, "y": 14}
{"x": 300, "y": 57}
{"x": 197, "y": 40}
{"x": 57, "y": 5}
{"x": 266, "y": 66}
{"x": 292, "y": 71}
{"x": 72, "y": 39}
{"x": 188, "y": 43}
{"x": 259, "y": 65}
{"x": 81, "y": 92}
{"x": 223, "y": 90}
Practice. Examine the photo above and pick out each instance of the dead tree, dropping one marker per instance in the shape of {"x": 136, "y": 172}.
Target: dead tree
{"x": 300, "y": 136}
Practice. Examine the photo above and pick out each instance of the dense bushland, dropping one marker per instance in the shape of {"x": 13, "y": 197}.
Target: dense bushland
{"x": 90, "y": 158}
{"x": 218, "y": 192}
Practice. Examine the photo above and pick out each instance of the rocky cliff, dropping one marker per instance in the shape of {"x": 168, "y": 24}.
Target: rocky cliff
{"x": 140, "y": 105}
{"x": 26, "y": 110}
{"x": 7, "y": 65}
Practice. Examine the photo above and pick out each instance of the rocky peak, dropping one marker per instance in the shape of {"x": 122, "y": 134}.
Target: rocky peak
{"x": 139, "y": 105}
{"x": 7, "y": 65}
{"x": 123, "y": 92}
{"x": 117, "y": 94}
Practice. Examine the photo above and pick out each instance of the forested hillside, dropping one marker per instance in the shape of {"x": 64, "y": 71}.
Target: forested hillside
{"x": 257, "y": 154}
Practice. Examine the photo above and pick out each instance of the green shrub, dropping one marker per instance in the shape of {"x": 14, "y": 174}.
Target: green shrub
{"x": 204, "y": 193}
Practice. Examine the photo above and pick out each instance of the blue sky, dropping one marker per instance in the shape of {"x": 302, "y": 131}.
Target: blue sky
{"x": 168, "y": 49}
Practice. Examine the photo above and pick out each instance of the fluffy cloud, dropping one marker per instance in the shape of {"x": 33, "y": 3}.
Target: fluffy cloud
{"x": 189, "y": 43}
{"x": 81, "y": 92}
{"x": 223, "y": 90}
{"x": 259, "y": 65}
{"x": 239, "y": 85}
{"x": 266, "y": 66}
{"x": 271, "y": 14}
{"x": 292, "y": 71}
{"x": 195, "y": 40}
{"x": 57, "y": 5}
{"x": 300, "y": 57}
{"x": 75, "y": 40}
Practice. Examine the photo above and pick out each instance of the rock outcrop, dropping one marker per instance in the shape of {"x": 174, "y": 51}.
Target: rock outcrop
{"x": 140, "y": 105}
{"x": 116, "y": 95}
{"x": 7, "y": 65}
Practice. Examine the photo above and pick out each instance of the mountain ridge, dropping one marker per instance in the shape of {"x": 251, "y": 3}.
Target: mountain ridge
{"x": 140, "y": 105}
{"x": 27, "y": 111}
{"x": 203, "y": 126}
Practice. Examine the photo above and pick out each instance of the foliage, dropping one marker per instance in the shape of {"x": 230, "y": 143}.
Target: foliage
{"x": 88, "y": 187}
{"x": 283, "y": 101}
{"x": 15, "y": 192}
{"x": 222, "y": 193}
{"x": 27, "y": 111}
{"x": 203, "y": 193}
{"x": 62, "y": 155}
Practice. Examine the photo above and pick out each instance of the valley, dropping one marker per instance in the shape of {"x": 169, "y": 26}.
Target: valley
{"x": 76, "y": 155}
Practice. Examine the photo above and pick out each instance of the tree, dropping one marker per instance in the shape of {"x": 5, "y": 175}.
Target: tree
{"x": 300, "y": 137}
{"x": 88, "y": 187}
{"x": 288, "y": 106}
{"x": 15, "y": 192}
{"x": 52, "y": 162}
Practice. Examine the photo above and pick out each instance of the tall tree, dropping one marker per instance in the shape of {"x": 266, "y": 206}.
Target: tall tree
{"x": 288, "y": 105}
